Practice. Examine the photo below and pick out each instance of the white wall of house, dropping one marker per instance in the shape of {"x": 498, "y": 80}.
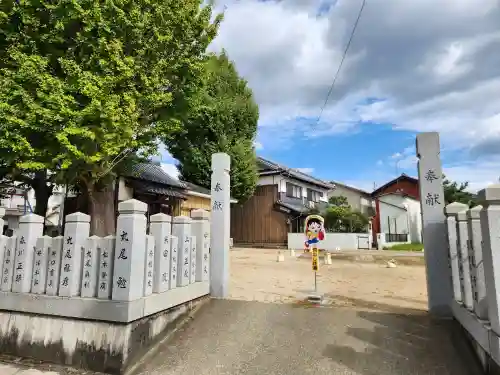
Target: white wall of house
{"x": 357, "y": 200}
{"x": 282, "y": 180}
{"x": 404, "y": 214}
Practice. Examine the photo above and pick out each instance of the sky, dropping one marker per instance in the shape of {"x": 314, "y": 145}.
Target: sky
{"x": 413, "y": 66}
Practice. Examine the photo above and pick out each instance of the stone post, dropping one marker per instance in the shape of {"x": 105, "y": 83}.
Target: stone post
{"x": 477, "y": 265}
{"x": 433, "y": 224}
{"x": 463, "y": 246}
{"x": 106, "y": 252}
{"x": 490, "y": 227}
{"x": 181, "y": 228}
{"x": 192, "y": 260}
{"x": 452, "y": 211}
{"x": 90, "y": 267}
{"x": 30, "y": 228}
{"x": 3, "y": 239}
{"x": 149, "y": 265}
{"x": 40, "y": 263}
{"x": 8, "y": 264}
{"x": 220, "y": 226}
{"x": 76, "y": 232}
{"x": 161, "y": 229}
{"x": 174, "y": 250}
{"x": 54, "y": 266}
{"x": 200, "y": 228}
{"x": 130, "y": 251}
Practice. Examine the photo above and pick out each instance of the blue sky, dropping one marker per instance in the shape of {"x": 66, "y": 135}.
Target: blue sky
{"x": 401, "y": 76}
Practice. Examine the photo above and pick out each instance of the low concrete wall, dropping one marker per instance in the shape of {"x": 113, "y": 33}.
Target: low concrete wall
{"x": 98, "y": 346}
{"x": 343, "y": 241}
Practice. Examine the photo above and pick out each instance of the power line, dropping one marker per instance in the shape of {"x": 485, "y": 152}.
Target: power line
{"x": 342, "y": 60}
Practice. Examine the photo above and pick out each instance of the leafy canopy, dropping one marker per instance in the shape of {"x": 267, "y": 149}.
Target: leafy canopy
{"x": 224, "y": 120}
{"x": 455, "y": 192}
{"x": 84, "y": 83}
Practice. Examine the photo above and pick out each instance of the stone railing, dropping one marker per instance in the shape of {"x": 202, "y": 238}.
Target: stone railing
{"x": 474, "y": 244}
{"x": 117, "y": 278}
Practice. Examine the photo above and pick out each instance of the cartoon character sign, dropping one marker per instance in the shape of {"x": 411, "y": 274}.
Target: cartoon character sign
{"x": 314, "y": 231}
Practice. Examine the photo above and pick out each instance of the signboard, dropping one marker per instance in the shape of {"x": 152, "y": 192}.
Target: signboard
{"x": 315, "y": 263}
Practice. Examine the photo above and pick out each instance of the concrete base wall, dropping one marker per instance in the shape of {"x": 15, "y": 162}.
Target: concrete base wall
{"x": 332, "y": 241}
{"x": 109, "y": 347}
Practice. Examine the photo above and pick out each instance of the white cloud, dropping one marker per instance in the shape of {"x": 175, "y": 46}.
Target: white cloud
{"x": 170, "y": 169}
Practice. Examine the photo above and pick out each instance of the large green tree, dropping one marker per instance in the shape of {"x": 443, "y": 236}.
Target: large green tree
{"x": 225, "y": 120}
{"x": 85, "y": 83}
{"x": 457, "y": 192}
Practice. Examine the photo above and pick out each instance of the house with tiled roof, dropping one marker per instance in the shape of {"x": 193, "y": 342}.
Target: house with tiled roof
{"x": 282, "y": 199}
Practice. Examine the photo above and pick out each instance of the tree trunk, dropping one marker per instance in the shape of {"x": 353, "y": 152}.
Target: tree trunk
{"x": 102, "y": 211}
{"x": 42, "y": 193}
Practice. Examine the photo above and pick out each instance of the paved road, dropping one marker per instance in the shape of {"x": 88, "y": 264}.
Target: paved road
{"x": 255, "y": 338}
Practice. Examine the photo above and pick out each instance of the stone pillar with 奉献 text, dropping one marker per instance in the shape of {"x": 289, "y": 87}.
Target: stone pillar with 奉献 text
{"x": 181, "y": 228}
{"x": 220, "y": 225}
{"x": 130, "y": 251}
{"x": 200, "y": 228}
{"x": 30, "y": 228}
{"x": 161, "y": 229}
{"x": 432, "y": 203}
{"x": 76, "y": 233}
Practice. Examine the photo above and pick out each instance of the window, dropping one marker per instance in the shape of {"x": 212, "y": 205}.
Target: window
{"x": 313, "y": 195}
{"x": 293, "y": 191}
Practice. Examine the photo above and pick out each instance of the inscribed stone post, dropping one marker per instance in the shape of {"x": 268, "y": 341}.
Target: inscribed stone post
{"x": 3, "y": 239}
{"x": 30, "y": 228}
{"x": 490, "y": 227}
{"x": 8, "y": 264}
{"x": 463, "y": 246}
{"x": 220, "y": 226}
{"x": 106, "y": 250}
{"x": 477, "y": 265}
{"x": 130, "y": 251}
{"x": 433, "y": 224}
{"x": 54, "y": 266}
{"x": 149, "y": 265}
{"x": 192, "y": 260}
{"x": 454, "y": 255}
{"x": 90, "y": 267}
{"x": 181, "y": 228}
{"x": 76, "y": 232}
{"x": 174, "y": 251}
{"x": 40, "y": 263}
{"x": 200, "y": 227}
{"x": 161, "y": 229}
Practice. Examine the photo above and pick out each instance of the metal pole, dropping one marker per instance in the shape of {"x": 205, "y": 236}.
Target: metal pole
{"x": 315, "y": 282}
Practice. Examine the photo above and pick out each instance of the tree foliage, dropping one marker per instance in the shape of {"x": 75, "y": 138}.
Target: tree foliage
{"x": 457, "y": 192}
{"x": 84, "y": 83}
{"x": 340, "y": 217}
{"x": 224, "y": 120}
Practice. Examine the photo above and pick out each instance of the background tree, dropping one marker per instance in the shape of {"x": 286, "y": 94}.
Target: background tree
{"x": 455, "y": 192}
{"x": 85, "y": 84}
{"x": 225, "y": 120}
{"x": 340, "y": 217}
{"x": 340, "y": 201}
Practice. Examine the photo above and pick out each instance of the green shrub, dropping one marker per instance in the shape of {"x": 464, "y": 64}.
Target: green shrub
{"x": 406, "y": 247}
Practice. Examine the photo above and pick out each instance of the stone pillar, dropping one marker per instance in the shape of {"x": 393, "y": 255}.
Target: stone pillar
{"x": 181, "y": 228}
{"x": 76, "y": 232}
{"x": 54, "y": 266}
{"x": 130, "y": 251}
{"x": 161, "y": 229}
{"x": 30, "y": 228}
{"x": 490, "y": 227}
{"x": 174, "y": 250}
{"x": 40, "y": 263}
{"x": 220, "y": 226}
{"x": 477, "y": 265}
{"x": 200, "y": 228}
{"x": 3, "y": 239}
{"x": 106, "y": 252}
{"x": 192, "y": 260}
{"x": 149, "y": 265}
{"x": 8, "y": 264}
{"x": 452, "y": 211}
{"x": 433, "y": 224}
{"x": 90, "y": 267}
{"x": 463, "y": 246}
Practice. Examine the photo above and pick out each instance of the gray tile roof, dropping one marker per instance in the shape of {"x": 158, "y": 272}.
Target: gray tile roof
{"x": 152, "y": 172}
{"x": 267, "y": 166}
{"x": 199, "y": 189}
{"x": 156, "y": 188}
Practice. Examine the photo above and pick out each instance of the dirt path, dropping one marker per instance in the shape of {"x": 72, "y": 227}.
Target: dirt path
{"x": 257, "y": 276}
